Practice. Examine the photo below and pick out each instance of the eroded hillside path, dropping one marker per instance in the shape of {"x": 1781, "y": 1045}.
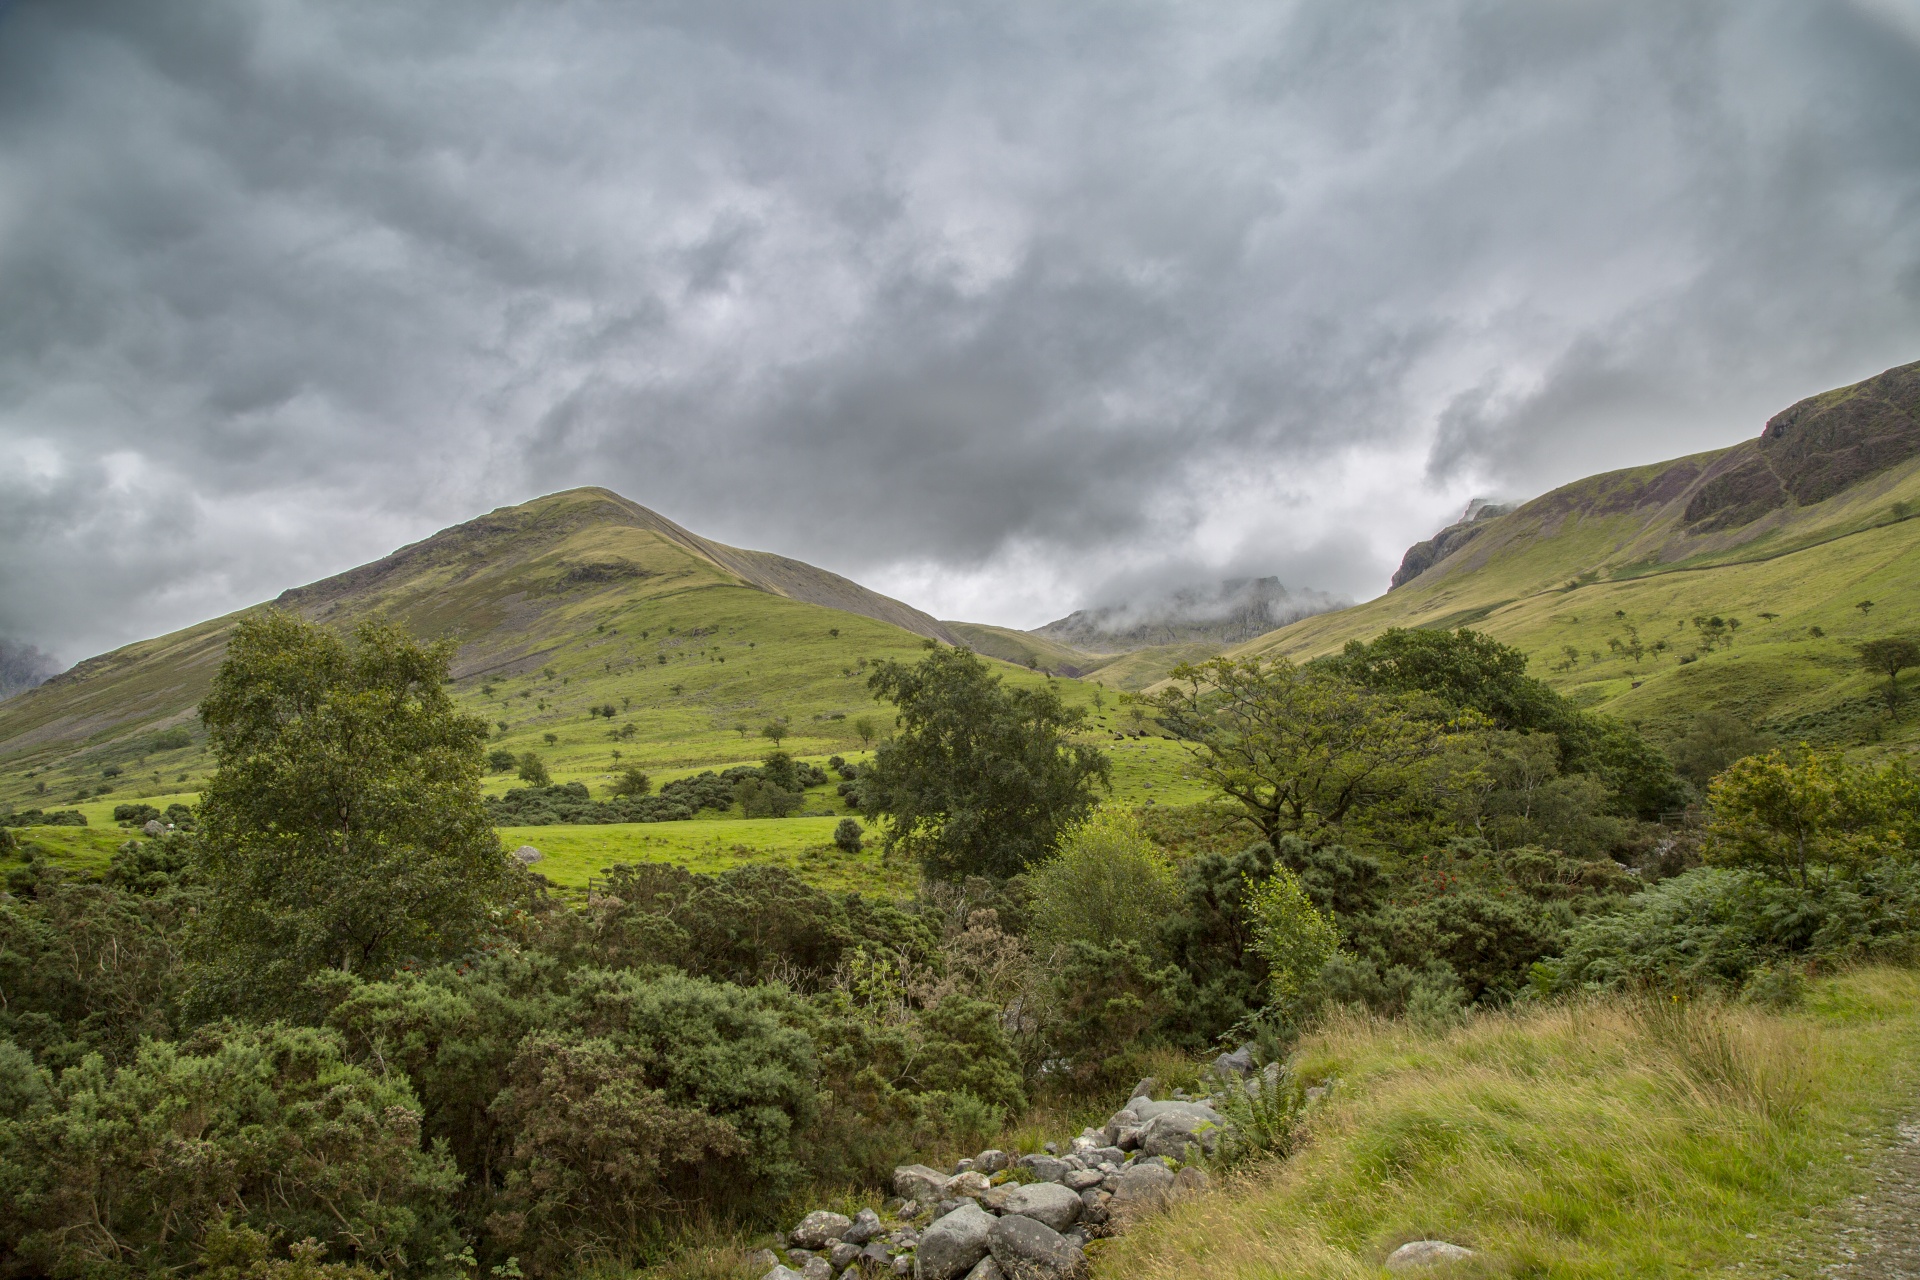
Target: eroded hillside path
{"x": 1879, "y": 1230}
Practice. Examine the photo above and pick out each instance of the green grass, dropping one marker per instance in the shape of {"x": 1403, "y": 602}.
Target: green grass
{"x": 1609, "y": 1138}
{"x": 573, "y": 854}
{"x": 85, "y": 852}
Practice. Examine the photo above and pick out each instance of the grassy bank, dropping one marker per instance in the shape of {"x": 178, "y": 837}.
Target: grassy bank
{"x": 1613, "y": 1138}
{"x": 572, "y": 854}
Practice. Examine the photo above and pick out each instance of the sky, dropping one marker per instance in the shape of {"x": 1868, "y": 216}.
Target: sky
{"x": 1005, "y": 309}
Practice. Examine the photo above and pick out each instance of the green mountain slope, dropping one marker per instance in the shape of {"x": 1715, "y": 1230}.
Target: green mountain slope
{"x": 1787, "y": 533}
{"x": 574, "y": 601}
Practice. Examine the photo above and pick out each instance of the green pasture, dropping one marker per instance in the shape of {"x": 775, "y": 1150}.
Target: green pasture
{"x": 85, "y": 852}
{"x": 573, "y": 854}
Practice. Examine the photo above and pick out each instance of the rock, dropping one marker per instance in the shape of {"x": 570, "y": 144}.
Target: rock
{"x": 1051, "y": 1148}
{"x": 1143, "y": 1186}
{"x": 986, "y": 1269}
{"x": 799, "y": 1257}
{"x": 1124, "y": 1121}
{"x": 818, "y": 1227}
{"x": 1047, "y": 1202}
{"x": 952, "y": 1245}
{"x": 762, "y": 1259}
{"x": 992, "y": 1161}
{"x": 1076, "y": 1237}
{"x": 917, "y": 1182}
{"x": 843, "y": 1255}
{"x": 1178, "y": 1107}
{"x": 877, "y": 1254}
{"x": 1237, "y": 1063}
{"x": 969, "y": 1184}
{"x": 964, "y": 1166}
{"x": 526, "y": 855}
{"x": 1425, "y": 1253}
{"x": 1105, "y": 1155}
{"x": 1190, "y": 1178}
{"x": 904, "y": 1237}
{"x": 851, "y": 1273}
{"x": 781, "y": 1273}
{"x": 1093, "y": 1205}
{"x": 1030, "y": 1250}
{"x": 817, "y": 1268}
{"x": 1144, "y": 1089}
{"x": 1045, "y": 1168}
{"x": 1081, "y": 1179}
{"x": 865, "y": 1226}
{"x": 909, "y": 1208}
{"x": 155, "y": 828}
{"x": 1172, "y": 1133}
{"x": 902, "y": 1265}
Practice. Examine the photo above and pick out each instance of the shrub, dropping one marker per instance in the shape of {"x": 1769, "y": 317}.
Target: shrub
{"x": 846, "y": 835}
{"x": 171, "y": 739}
{"x": 134, "y": 815}
{"x": 632, "y": 782}
{"x": 500, "y": 760}
{"x": 1295, "y": 939}
{"x": 1107, "y": 884}
{"x": 132, "y": 1169}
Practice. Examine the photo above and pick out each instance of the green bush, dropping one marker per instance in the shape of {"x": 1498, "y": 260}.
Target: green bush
{"x": 135, "y": 815}
{"x": 846, "y": 835}
{"x": 501, "y": 760}
{"x": 533, "y": 770}
{"x": 171, "y": 739}
{"x": 127, "y": 1171}
{"x": 1108, "y": 884}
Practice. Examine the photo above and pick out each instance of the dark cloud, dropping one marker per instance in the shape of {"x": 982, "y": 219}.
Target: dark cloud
{"x": 990, "y": 305}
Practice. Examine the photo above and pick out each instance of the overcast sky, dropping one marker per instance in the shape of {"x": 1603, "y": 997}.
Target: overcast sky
{"x": 1002, "y": 308}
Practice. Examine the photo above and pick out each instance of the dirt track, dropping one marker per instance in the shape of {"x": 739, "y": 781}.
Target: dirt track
{"x": 1880, "y": 1229}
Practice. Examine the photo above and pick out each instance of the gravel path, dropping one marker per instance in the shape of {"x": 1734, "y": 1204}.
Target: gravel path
{"x": 1880, "y": 1230}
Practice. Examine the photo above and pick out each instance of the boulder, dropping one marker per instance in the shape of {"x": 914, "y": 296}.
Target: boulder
{"x": 1124, "y": 1122}
{"x": 1144, "y": 1089}
{"x": 917, "y": 1182}
{"x": 1030, "y": 1250}
{"x": 1047, "y": 1202}
{"x": 1081, "y": 1179}
{"x": 526, "y": 855}
{"x": 1045, "y": 1168}
{"x": 1416, "y": 1254}
{"x": 992, "y": 1161}
{"x": 1106, "y": 1155}
{"x": 865, "y": 1226}
{"x": 1237, "y": 1063}
{"x": 1191, "y": 1178}
{"x": 781, "y": 1273}
{"x": 155, "y": 828}
{"x": 903, "y": 1265}
{"x": 986, "y": 1269}
{"x": 951, "y": 1246}
{"x": 799, "y": 1257}
{"x": 817, "y": 1268}
{"x": 817, "y": 1228}
{"x": 843, "y": 1255}
{"x": 970, "y": 1184}
{"x": 762, "y": 1260}
{"x": 1093, "y": 1205}
{"x": 1144, "y": 1185}
{"x": 876, "y": 1253}
{"x": 1178, "y": 1107}
{"x": 1172, "y": 1133}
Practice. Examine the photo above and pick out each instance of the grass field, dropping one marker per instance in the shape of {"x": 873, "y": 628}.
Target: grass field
{"x": 1604, "y": 1139}
{"x": 572, "y": 854}
{"x": 84, "y": 851}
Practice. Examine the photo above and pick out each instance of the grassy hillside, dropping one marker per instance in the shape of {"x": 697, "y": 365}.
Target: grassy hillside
{"x": 564, "y": 608}
{"x": 1616, "y": 1138}
{"x": 1581, "y": 576}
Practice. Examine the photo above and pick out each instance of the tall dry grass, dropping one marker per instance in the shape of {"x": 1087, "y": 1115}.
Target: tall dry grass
{"x": 1607, "y": 1137}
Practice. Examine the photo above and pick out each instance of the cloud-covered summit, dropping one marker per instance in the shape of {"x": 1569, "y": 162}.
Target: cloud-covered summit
{"x": 981, "y": 304}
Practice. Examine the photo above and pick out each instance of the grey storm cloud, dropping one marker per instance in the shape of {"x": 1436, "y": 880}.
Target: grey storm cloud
{"x": 991, "y": 305}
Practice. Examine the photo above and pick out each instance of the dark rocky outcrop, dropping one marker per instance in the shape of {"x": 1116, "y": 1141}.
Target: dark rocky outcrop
{"x": 1817, "y": 448}
{"x": 1422, "y": 556}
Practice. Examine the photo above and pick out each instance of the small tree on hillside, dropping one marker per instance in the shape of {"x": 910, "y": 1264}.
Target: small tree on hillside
{"x": 774, "y": 730}
{"x": 1890, "y": 656}
{"x": 864, "y": 726}
{"x": 533, "y": 770}
{"x": 632, "y": 782}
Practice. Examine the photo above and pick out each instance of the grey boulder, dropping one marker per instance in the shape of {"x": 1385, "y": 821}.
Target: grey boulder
{"x": 992, "y": 1160}
{"x": 1171, "y": 1133}
{"x": 917, "y": 1182}
{"x": 843, "y": 1255}
{"x": 1237, "y": 1063}
{"x": 762, "y": 1260}
{"x": 986, "y": 1269}
{"x": 865, "y": 1226}
{"x": 1027, "y": 1249}
{"x": 972, "y": 1184}
{"x": 1048, "y": 1202}
{"x": 819, "y": 1227}
{"x": 951, "y": 1246}
{"x": 781, "y": 1273}
{"x": 1180, "y": 1107}
{"x": 1416, "y": 1254}
{"x": 817, "y": 1268}
{"x": 1123, "y": 1124}
{"x": 1144, "y": 1089}
{"x": 1045, "y": 1168}
{"x": 1143, "y": 1186}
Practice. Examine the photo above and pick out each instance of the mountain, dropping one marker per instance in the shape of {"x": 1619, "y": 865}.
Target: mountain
{"x": 1800, "y": 541}
{"x": 22, "y": 667}
{"x": 571, "y": 602}
{"x": 1220, "y": 613}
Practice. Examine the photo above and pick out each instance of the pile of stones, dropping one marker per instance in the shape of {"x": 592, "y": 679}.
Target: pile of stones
{"x": 1001, "y": 1217}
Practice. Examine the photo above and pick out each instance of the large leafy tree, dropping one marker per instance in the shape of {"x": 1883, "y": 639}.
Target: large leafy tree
{"x": 1791, "y": 811}
{"x": 1302, "y": 750}
{"x": 979, "y": 779}
{"x": 344, "y": 827}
